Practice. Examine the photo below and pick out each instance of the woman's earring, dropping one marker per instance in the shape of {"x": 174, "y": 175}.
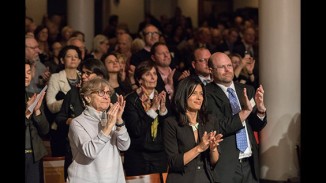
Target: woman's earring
{"x": 88, "y": 100}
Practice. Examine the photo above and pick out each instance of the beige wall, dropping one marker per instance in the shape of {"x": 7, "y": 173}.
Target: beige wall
{"x": 162, "y": 7}
{"x": 189, "y": 9}
{"x": 131, "y": 13}
{"x": 134, "y": 14}
{"x": 244, "y": 4}
{"x": 36, "y": 13}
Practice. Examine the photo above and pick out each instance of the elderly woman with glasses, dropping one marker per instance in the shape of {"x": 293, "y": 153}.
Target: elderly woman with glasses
{"x": 73, "y": 106}
{"x": 97, "y": 135}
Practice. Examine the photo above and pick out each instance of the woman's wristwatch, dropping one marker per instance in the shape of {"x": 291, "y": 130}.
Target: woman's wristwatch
{"x": 121, "y": 124}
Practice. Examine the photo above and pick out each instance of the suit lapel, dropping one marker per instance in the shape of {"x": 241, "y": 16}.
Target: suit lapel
{"x": 219, "y": 92}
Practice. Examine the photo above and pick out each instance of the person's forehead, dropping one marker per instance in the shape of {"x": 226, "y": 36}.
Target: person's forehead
{"x": 151, "y": 28}
{"x": 30, "y": 41}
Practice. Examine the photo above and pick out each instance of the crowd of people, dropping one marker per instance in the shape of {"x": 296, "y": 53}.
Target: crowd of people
{"x": 176, "y": 100}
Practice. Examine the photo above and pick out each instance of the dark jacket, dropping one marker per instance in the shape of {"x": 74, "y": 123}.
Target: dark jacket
{"x": 218, "y": 103}
{"x": 178, "y": 140}
{"x": 38, "y": 126}
{"x": 144, "y": 155}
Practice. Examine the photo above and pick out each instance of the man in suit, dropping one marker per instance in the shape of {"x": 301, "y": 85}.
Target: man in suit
{"x": 199, "y": 64}
{"x": 235, "y": 165}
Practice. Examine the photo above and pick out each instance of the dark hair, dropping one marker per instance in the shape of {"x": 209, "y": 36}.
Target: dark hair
{"x": 142, "y": 68}
{"x": 103, "y": 57}
{"x": 155, "y": 45}
{"x": 29, "y": 62}
{"x": 183, "y": 91}
{"x": 38, "y": 30}
{"x": 76, "y": 33}
{"x": 96, "y": 66}
{"x": 63, "y": 51}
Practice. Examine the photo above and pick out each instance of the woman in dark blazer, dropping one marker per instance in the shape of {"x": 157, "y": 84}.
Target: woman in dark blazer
{"x": 144, "y": 114}
{"x": 189, "y": 137}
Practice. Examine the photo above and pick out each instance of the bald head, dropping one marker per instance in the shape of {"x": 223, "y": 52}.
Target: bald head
{"x": 222, "y": 69}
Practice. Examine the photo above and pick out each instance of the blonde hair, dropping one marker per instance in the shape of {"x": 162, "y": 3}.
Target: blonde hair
{"x": 137, "y": 45}
{"x": 98, "y": 40}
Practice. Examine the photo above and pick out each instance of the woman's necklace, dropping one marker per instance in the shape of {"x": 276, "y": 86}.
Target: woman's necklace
{"x": 194, "y": 126}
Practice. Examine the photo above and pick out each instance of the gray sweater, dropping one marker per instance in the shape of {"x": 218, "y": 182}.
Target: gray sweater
{"x": 96, "y": 157}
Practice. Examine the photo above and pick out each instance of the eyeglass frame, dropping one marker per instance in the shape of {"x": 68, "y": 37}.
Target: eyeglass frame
{"x": 101, "y": 93}
{"x": 152, "y": 33}
{"x": 202, "y": 60}
{"x": 88, "y": 73}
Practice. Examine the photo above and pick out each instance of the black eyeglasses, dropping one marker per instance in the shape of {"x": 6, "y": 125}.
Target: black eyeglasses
{"x": 152, "y": 33}
{"x": 202, "y": 60}
{"x": 88, "y": 73}
{"x": 101, "y": 93}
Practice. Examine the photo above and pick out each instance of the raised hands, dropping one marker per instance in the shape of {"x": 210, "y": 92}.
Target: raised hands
{"x": 184, "y": 74}
{"x": 214, "y": 141}
{"x": 259, "y": 99}
{"x": 210, "y": 140}
{"x": 122, "y": 103}
{"x": 159, "y": 102}
{"x": 162, "y": 97}
{"x": 247, "y": 106}
{"x": 36, "y": 110}
{"x": 169, "y": 79}
{"x": 114, "y": 115}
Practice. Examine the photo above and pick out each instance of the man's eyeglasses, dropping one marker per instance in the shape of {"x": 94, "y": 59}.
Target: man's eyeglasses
{"x": 202, "y": 60}
{"x": 101, "y": 93}
{"x": 152, "y": 33}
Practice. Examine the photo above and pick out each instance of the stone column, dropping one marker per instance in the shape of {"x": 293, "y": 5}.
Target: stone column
{"x": 80, "y": 16}
{"x": 279, "y": 61}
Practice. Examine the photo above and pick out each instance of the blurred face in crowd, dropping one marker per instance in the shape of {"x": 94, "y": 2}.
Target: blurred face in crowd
{"x": 249, "y": 36}
{"x": 124, "y": 43}
{"x": 43, "y": 35}
{"x": 71, "y": 59}
{"x": 56, "y": 47}
{"x": 80, "y": 45}
{"x": 162, "y": 56}
{"x": 151, "y": 35}
{"x": 104, "y": 46}
{"x": 28, "y": 75}
{"x": 149, "y": 79}
{"x": 235, "y": 61}
{"x": 32, "y": 49}
{"x": 88, "y": 74}
{"x": 112, "y": 64}
{"x": 200, "y": 63}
